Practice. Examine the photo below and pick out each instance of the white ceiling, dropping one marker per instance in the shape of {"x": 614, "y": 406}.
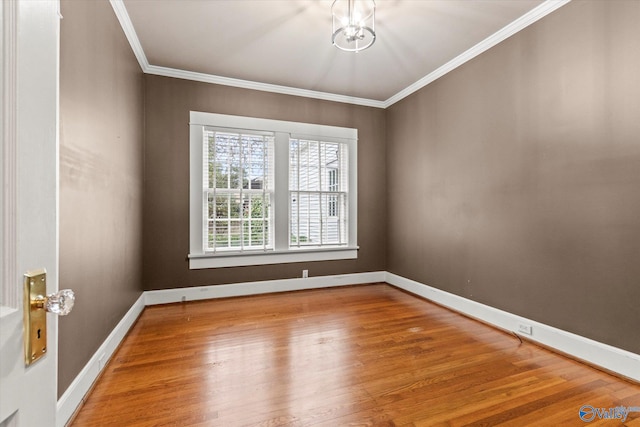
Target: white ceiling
{"x": 285, "y": 45}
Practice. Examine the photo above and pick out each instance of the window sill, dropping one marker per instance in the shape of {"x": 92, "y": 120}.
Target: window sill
{"x": 201, "y": 261}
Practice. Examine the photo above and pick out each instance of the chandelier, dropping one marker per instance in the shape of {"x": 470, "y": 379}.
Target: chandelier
{"x": 353, "y": 24}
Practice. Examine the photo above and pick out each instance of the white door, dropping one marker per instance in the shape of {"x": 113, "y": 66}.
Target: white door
{"x": 29, "y": 188}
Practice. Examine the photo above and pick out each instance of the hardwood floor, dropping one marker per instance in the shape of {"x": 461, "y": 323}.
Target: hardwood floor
{"x": 354, "y": 356}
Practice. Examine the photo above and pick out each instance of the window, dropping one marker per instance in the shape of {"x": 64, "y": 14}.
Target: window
{"x": 238, "y": 189}
{"x": 316, "y": 193}
{"x": 267, "y": 191}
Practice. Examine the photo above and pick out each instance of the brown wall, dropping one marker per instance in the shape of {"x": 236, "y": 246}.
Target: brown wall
{"x": 101, "y": 148}
{"x": 515, "y": 179}
{"x": 512, "y": 181}
{"x": 166, "y": 192}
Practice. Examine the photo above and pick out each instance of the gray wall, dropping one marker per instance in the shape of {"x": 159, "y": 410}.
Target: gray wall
{"x": 166, "y": 192}
{"x": 101, "y": 149}
{"x": 515, "y": 179}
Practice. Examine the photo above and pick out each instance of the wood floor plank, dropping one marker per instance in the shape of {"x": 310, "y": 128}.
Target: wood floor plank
{"x": 354, "y": 356}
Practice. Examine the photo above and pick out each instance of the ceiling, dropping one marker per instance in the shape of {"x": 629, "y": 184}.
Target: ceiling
{"x": 285, "y": 45}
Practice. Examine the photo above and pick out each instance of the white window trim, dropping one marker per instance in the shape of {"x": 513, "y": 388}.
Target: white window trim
{"x": 198, "y": 259}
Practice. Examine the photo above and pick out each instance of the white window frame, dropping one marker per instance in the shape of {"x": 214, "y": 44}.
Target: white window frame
{"x": 281, "y": 252}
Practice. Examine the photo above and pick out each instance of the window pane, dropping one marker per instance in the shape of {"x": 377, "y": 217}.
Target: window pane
{"x": 221, "y": 234}
{"x": 235, "y": 233}
{"x": 257, "y": 232}
{"x": 210, "y": 234}
{"x": 258, "y": 206}
{"x": 305, "y": 219}
{"x": 222, "y": 207}
{"x": 334, "y": 224}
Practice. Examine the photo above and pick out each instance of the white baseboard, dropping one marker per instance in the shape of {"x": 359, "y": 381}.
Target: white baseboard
{"x": 166, "y": 296}
{"x": 608, "y": 357}
{"x": 73, "y": 396}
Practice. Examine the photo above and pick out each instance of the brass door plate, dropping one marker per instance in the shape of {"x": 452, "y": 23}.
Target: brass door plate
{"x": 35, "y": 316}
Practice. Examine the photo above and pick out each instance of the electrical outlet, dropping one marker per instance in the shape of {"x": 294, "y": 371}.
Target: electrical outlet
{"x": 305, "y": 274}
{"x": 525, "y": 329}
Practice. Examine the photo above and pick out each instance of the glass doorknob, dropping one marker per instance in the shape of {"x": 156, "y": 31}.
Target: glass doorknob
{"x": 36, "y": 305}
{"x": 60, "y": 303}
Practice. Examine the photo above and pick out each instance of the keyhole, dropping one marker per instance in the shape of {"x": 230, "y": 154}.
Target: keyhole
{"x": 38, "y": 333}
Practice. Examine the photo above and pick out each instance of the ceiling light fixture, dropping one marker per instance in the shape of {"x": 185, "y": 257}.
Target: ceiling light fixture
{"x": 353, "y": 24}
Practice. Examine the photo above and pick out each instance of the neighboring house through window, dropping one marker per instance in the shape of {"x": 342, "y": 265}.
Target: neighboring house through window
{"x": 267, "y": 191}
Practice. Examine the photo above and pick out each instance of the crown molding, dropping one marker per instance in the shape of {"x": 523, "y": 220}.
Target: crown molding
{"x": 130, "y": 32}
{"x": 265, "y": 87}
{"x": 519, "y": 24}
